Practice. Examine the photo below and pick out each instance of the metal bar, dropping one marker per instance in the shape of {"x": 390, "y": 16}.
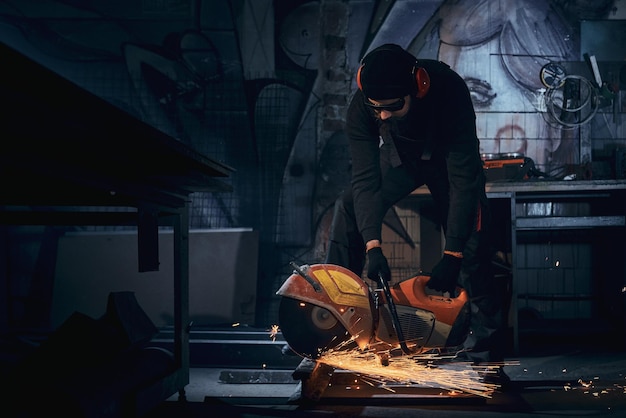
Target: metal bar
{"x": 148, "y": 238}
{"x": 67, "y": 218}
{"x": 561, "y": 196}
{"x": 515, "y": 282}
{"x": 568, "y": 222}
{"x": 181, "y": 294}
{"x": 555, "y": 297}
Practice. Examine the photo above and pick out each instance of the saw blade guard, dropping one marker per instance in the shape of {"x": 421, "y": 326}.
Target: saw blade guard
{"x": 339, "y": 291}
{"x": 429, "y": 320}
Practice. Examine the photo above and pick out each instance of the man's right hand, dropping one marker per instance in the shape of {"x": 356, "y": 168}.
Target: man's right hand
{"x": 377, "y": 264}
{"x": 445, "y": 274}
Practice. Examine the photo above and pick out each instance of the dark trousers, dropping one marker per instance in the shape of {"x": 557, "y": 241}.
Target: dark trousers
{"x": 486, "y": 341}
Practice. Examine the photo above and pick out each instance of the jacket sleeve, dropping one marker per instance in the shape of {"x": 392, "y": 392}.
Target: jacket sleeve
{"x": 363, "y": 138}
{"x": 464, "y": 166}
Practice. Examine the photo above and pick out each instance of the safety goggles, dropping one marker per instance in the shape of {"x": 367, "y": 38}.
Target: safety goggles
{"x": 391, "y": 107}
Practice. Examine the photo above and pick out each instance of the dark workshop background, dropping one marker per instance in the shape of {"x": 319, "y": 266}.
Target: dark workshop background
{"x": 262, "y": 86}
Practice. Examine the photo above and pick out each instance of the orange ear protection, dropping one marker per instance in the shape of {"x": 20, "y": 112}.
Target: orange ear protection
{"x": 422, "y": 79}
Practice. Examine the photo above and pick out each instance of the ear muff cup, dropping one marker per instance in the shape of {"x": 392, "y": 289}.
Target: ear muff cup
{"x": 422, "y": 80}
{"x": 358, "y": 77}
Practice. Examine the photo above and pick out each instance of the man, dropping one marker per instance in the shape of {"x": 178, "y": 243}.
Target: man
{"x": 412, "y": 123}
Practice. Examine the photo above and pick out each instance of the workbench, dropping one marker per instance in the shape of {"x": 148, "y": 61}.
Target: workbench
{"x": 71, "y": 158}
{"x": 539, "y": 210}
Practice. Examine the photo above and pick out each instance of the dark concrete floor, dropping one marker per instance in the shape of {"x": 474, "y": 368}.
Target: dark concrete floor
{"x": 243, "y": 373}
{"x": 563, "y": 382}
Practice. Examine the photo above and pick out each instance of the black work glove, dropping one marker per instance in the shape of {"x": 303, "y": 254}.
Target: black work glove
{"x": 445, "y": 274}
{"x": 377, "y": 263}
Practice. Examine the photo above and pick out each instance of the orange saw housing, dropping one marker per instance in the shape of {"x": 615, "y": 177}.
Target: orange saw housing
{"x": 428, "y": 320}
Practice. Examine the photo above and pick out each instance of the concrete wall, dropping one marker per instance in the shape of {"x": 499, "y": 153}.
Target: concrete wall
{"x": 222, "y": 275}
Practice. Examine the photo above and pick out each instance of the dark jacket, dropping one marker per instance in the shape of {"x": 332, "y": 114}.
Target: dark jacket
{"x": 440, "y": 127}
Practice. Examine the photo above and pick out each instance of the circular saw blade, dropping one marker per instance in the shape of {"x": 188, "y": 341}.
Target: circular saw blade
{"x": 310, "y": 330}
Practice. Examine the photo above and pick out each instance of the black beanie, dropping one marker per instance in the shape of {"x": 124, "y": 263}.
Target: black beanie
{"x": 387, "y": 73}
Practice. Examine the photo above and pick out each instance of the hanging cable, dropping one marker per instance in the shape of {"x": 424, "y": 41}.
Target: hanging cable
{"x": 565, "y": 102}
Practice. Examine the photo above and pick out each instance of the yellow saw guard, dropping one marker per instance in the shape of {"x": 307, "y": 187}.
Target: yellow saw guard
{"x": 344, "y": 294}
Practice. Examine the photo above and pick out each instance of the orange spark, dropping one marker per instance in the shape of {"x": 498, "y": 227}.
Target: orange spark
{"x": 421, "y": 369}
{"x": 274, "y": 330}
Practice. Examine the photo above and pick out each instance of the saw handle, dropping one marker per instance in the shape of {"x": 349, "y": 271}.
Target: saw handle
{"x": 394, "y": 315}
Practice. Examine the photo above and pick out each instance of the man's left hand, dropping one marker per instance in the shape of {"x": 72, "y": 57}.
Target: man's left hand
{"x": 378, "y": 267}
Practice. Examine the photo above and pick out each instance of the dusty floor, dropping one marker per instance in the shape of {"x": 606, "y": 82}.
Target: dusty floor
{"x": 569, "y": 384}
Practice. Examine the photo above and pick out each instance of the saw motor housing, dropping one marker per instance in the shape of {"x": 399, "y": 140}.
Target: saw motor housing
{"x": 427, "y": 320}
